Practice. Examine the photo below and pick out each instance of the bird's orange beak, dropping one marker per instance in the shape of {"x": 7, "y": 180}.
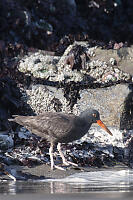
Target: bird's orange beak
{"x": 100, "y": 123}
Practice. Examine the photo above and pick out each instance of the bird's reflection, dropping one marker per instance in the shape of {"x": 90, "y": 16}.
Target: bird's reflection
{"x": 12, "y": 187}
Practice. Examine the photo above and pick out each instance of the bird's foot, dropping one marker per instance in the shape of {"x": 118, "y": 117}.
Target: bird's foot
{"x": 67, "y": 163}
{"x": 57, "y": 167}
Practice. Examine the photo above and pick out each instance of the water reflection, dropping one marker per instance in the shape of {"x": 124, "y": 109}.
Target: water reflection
{"x": 121, "y": 180}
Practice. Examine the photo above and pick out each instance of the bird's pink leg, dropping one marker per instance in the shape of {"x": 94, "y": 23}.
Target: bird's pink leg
{"x": 52, "y": 159}
{"x": 65, "y": 162}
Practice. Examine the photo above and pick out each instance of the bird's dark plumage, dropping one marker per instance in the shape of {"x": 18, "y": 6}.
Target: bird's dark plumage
{"x": 60, "y": 127}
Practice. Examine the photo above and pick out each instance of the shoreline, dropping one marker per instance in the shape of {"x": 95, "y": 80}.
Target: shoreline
{"x": 42, "y": 172}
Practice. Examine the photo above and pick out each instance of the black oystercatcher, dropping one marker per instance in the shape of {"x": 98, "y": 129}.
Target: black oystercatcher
{"x": 59, "y": 128}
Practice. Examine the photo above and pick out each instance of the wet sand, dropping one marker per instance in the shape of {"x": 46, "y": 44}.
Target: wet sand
{"x": 44, "y": 171}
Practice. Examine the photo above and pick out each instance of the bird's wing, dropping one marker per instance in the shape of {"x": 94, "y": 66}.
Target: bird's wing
{"x": 53, "y": 124}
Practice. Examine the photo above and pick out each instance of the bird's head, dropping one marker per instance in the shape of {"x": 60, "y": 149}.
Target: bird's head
{"x": 92, "y": 116}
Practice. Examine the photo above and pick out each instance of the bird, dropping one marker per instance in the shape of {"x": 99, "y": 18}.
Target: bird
{"x": 58, "y": 128}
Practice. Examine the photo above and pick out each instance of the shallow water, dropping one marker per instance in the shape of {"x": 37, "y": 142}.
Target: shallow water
{"x": 104, "y": 184}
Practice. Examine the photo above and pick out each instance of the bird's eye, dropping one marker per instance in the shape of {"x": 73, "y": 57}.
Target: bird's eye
{"x": 94, "y": 115}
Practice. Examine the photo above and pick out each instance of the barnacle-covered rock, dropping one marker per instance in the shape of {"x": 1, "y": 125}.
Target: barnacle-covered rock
{"x": 46, "y": 98}
{"x": 79, "y": 63}
{"x": 39, "y": 65}
{"x": 81, "y": 57}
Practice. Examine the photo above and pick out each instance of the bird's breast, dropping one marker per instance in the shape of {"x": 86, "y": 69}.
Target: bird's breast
{"x": 75, "y": 133}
